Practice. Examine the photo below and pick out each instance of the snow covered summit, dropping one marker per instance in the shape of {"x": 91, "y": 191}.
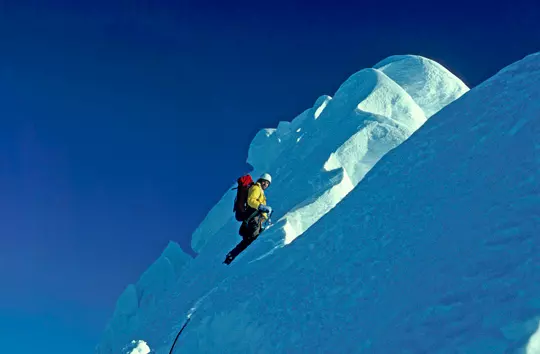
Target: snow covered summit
{"x": 416, "y": 235}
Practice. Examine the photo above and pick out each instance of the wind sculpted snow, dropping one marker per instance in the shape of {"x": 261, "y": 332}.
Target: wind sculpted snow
{"x": 429, "y": 84}
{"x": 318, "y": 157}
{"x": 316, "y": 160}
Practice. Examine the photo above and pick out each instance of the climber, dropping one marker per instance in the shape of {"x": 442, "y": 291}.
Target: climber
{"x": 257, "y": 212}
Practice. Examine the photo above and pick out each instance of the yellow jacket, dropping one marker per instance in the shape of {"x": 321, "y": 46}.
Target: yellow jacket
{"x": 256, "y": 197}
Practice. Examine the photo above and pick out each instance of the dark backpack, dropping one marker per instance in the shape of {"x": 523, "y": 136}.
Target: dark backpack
{"x": 240, "y": 202}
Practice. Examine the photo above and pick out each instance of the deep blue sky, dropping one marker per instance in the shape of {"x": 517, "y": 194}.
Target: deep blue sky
{"x": 121, "y": 125}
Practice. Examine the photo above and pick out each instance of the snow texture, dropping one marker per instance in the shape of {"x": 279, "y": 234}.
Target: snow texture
{"x": 430, "y": 85}
{"x": 400, "y": 228}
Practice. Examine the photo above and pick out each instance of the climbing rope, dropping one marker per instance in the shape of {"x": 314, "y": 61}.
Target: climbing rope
{"x": 178, "y": 335}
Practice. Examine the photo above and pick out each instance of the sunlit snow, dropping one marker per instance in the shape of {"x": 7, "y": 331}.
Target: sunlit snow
{"x": 405, "y": 220}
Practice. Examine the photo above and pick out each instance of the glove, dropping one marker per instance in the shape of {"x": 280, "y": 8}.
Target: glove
{"x": 265, "y": 209}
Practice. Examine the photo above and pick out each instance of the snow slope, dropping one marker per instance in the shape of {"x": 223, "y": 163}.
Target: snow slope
{"x": 436, "y": 251}
{"x": 356, "y": 279}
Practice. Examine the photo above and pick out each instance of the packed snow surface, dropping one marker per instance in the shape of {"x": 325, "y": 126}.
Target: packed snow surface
{"x": 399, "y": 227}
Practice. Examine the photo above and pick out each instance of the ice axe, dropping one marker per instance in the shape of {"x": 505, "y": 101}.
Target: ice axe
{"x": 268, "y": 222}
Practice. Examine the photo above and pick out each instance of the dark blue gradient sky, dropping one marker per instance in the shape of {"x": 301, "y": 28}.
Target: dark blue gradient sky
{"x": 122, "y": 123}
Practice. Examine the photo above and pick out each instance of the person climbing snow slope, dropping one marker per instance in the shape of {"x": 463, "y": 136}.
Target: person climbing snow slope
{"x": 256, "y": 212}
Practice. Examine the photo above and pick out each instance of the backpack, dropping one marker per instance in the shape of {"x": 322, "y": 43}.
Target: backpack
{"x": 240, "y": 202}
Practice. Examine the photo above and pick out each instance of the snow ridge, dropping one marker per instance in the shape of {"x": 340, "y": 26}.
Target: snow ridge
{"x": 316, "y": 160}
{"x": 369, "y": 115}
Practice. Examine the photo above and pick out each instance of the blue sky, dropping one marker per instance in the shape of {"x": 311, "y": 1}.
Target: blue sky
{"x": 121, "y": 125}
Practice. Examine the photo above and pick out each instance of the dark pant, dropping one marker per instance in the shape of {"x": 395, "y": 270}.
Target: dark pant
{"x": 249, "y": 232}
{"x": 238, "y": 249}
